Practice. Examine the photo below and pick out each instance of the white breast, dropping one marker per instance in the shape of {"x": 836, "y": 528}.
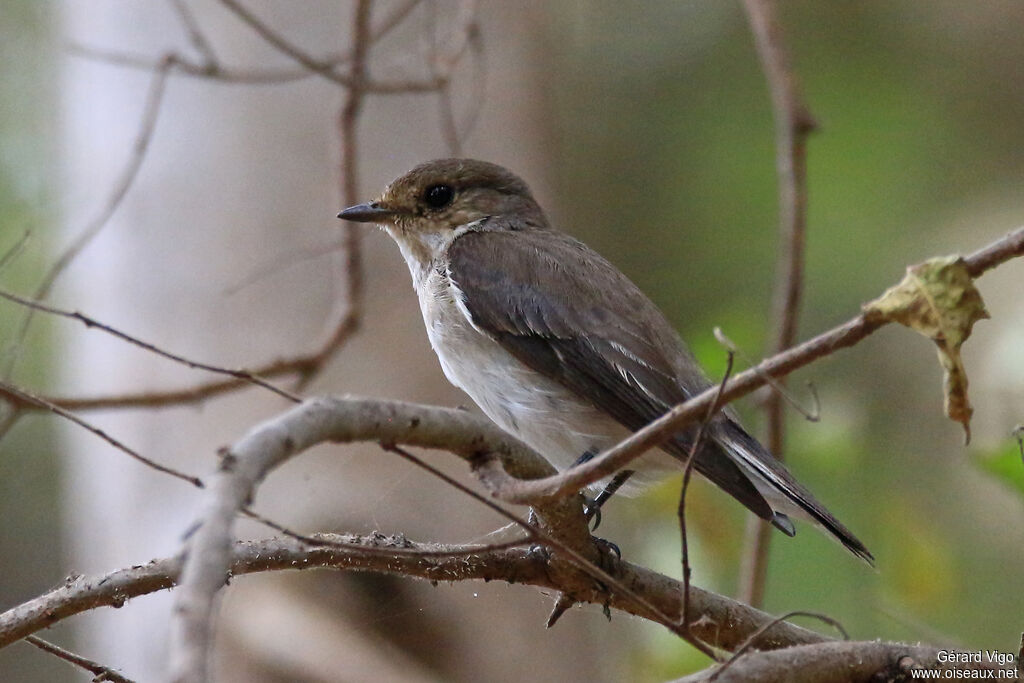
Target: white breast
{"x": 521, "y": 401}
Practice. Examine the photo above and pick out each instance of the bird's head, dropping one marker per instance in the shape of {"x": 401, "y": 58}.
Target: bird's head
{"x": 431, "y": 205}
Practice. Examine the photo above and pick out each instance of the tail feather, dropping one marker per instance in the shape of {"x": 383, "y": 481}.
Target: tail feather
{"x": 783, "y": 493}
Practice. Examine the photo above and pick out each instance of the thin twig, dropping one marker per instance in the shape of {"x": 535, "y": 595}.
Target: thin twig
{"x": 478, "y": 86}
{"x": 742, "y": 649}
{"x": 358, "y": 85}
{"x": 811, "y": 415}
{"x": 101, "y": 672}
{"x": 329, "y": 540}
{"x": 10, "y": 418}
{"x": 147, "y": 125}
{"x": 465, "y": 37}
{"x": 212, "y": 69}
{"x": 280, "y": 262}
{"x": 390, "y": 21}
{"x": 15, "y": 250}
{"x": 26, "y": 398}
{"x": 793, "y": 123}
{"x": 348, "y": 121}
{"x": 299, "y": 365}
{"x": 532, "y": 530}
{"x": 681, "y": 510}
{"x": 92, "y": 323}
{"x": 186, "y": 67}
{"x": 195, "y": 32}
{"x": 326, "y": 69}
{"x": 449, "y": 128}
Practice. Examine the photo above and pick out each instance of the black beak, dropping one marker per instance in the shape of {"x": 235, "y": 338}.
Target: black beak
{"x": 371, "y": 212}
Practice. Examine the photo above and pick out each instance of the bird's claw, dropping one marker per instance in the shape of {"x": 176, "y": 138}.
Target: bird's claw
{"x": 592, "y": 511}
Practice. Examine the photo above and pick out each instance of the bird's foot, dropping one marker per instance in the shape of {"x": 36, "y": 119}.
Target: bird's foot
{"x": 609, "y": 554}
{"x": 592, "y": 511}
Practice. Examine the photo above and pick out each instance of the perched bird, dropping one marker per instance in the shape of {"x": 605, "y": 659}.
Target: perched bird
{"x": 554, "y": 343}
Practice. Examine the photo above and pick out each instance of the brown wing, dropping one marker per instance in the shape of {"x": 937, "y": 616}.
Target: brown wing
{"x": 566, "y": 312}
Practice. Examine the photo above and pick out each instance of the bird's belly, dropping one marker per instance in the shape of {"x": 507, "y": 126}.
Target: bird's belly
{"x": 539, "y": 411}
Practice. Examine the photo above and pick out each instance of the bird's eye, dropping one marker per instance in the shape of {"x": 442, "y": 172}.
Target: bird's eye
{"x": 438, "y": 196}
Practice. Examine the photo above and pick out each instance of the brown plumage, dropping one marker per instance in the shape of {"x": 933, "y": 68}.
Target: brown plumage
{"x": 553, "y": 342}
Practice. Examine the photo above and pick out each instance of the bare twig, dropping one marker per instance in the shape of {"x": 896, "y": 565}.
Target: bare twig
{"x": 332, "y": 541}
{"x": 327, "y": 69}
{"x": 449, "y": 127}
{"x": 811, "y": 415}
{"x": 195, "y": 33}
{"x": 99, "y": 671}
{"x": 466, "y": 37}
{"x": 150, "y": 113}
{"x": 614, "y": 459}
{"x": 15, "y": 249}
{"x": 303, "y": 366}
{"x": 397, "y": 15}
{"x": 212, "y": 69}
{"x": 742, "y": 649}
{"x": 358, "y": 85}
{"x": 183, "y": 66}
{"x": 11, "y": 415}
{"x": 348, "y": 121}
{"x": 135, "y": 341}
{"x": 23, "y": 397}
{"x": 280, "y": 262}
{"x": 322, "y": 68}
{"x": 681, "y": 509}
{"x": 793, "y": 123}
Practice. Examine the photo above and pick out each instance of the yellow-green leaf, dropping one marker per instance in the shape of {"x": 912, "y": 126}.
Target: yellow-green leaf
{"x": 938, "y": 299}
{"x": 1007, "y": 465}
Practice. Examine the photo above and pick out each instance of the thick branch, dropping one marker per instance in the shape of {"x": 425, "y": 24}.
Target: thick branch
{"x": 317, "y": 421}
{"x": 836, "y": 662}
{"x": 724, "y": 623}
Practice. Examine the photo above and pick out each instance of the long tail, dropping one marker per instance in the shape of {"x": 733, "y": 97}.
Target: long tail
{"x": 783, "y": 494}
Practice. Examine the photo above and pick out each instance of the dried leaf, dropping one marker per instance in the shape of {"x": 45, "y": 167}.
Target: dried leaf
{"x": 938, "y": 299}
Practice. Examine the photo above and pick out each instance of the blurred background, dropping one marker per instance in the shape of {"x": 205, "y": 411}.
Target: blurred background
{"x": 643, "y": 130}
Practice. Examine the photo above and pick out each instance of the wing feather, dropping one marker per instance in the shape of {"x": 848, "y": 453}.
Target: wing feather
{"x": 567, "y": 313}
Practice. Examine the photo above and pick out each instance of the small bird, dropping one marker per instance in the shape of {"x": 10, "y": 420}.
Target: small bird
{"x": 555, "y": 344}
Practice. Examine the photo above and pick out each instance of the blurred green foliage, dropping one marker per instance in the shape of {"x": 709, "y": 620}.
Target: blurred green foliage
{"x": 1006, "y": 465}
